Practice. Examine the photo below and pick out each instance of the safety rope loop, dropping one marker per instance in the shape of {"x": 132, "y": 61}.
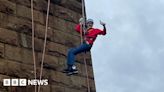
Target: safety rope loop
{"x": 45, "y": 41}
{"x": 84, "y": 29}
{"x": 33, "y": 41}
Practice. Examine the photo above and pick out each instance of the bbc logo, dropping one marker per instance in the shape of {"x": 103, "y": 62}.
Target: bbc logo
{"x": 14, "y": 82}
{"x": 24, "y": 82}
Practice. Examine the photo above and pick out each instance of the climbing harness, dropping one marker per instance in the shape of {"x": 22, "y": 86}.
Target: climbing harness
{"x": 83, "y": 28}
{"x": 45, "y": 41}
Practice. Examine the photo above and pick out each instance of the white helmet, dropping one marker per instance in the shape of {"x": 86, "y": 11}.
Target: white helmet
{"x": 89, "y": 20}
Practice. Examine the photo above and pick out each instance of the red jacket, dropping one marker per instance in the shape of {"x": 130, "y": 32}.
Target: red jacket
{"x": 91, "y": 34}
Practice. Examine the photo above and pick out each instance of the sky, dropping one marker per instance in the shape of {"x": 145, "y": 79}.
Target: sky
{"x": 130, "y": 58}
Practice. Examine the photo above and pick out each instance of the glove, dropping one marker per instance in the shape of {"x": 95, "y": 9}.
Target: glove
{"x": 81, "y": 20}
{"x": 102, "y": 23}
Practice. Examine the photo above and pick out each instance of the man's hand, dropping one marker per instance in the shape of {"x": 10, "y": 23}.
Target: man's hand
{"x": 81, "y": 20}
{"x": 102, "y": 23}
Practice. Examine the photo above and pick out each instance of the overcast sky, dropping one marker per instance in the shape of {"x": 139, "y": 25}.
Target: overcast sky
{"x": 130, "y": 58}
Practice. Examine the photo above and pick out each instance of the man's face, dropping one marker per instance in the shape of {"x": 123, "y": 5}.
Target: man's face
{"x": 90, "y": 24}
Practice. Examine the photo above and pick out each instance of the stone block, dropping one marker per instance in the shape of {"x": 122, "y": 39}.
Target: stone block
{"x": 26, "y": 41}
{"x": 45, "y": 73}
{"x": 39, "y": 44}
{"x": 40, "y": 32}
{"x": 71, "y": 4}
{"x": 22, "y": 89}
{"x": 8, "y": 36}
{"x": 57, "y": 88}
{"x": 61, "y": 78}
{"x": 89, "y": 70}
{"x": 23, "y": 2}
{"x": 1, "y": 49}
{"x": 75, "y": 90}
{"x": 14, "y": 23}
{"x": 41, "y": 5}
{"x": 25, "y": 12}
{"x": 58, "y": 11}
{"x": 27, "y": 71}
{"x": 65, "y": 39}
{"x": 20, "y": 70}
{"x": 62, "y": 25}
{"x": 53, "y": 48}
{"x": 46, "y": 89}
{"x": 65, "y": 13}
{"x": 78, "y": 82}
{"x": 3, "y": 63}
{"x": 72, "y": 81}
{"x": 50, "y": 62}
{"x": 92, "y": 85}
{"x": 7, "y": 7}
{"x": 62, "y": 63}
{"x": 11, "y": 68}
{"x": 87, "y": 56}
{"x": 18, "y": 54}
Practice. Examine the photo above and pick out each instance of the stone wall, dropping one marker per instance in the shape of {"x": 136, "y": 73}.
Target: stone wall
{"x": 16, "y": 51}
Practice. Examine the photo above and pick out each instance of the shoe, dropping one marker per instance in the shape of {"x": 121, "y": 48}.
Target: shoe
{"x": 72, "y": 71}
{"x": 69, "y": 67}
{"x": 65, "y": 70}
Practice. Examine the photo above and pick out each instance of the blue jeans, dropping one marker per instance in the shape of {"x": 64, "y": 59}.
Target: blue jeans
{"x": 74, "y": 51}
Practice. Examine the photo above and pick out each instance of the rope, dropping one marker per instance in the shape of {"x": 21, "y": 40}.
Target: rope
{"x": 33, "y": 43}
{"x": 45, "y": 40}
{"x": 86, "y": 69}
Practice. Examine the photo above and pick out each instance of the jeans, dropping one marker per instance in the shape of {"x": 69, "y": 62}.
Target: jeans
{"x": 74, "y": 51}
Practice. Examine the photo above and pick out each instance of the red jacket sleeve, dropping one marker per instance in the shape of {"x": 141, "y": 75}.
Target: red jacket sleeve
{"x": 101, "y": 32}
{"x": 78, "y": 28}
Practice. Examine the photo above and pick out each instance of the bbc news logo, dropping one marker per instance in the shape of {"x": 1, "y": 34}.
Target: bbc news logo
{"x": 24, "y": 82}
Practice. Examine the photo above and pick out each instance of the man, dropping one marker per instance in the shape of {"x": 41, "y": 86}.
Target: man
{"x": 89, "y": 37}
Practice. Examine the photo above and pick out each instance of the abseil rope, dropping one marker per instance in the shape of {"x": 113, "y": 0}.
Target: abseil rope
{"x": 33, "y": 41}
{"x": 84, "y": 30}
{"x": 45, "y": 41}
